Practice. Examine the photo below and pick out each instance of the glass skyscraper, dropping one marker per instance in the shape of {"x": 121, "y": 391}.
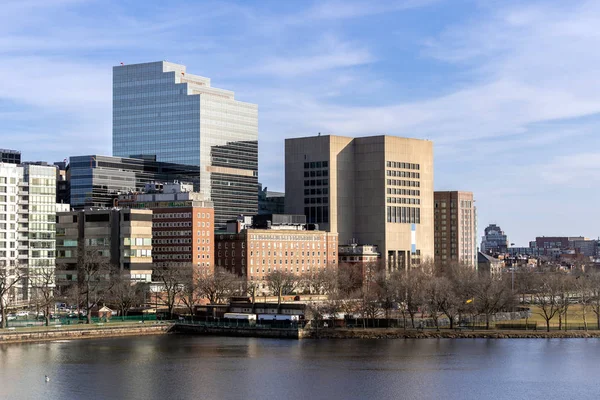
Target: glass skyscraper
{"x": 161, "y": 111}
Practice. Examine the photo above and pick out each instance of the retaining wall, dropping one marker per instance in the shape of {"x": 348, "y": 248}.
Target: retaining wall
{"x": 82, "y": 333}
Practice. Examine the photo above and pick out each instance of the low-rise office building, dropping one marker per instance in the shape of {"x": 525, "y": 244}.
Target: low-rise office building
{"x": 122, "y": 237}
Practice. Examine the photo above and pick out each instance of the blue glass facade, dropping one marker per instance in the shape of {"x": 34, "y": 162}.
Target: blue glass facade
{"x": 161, "y": 111}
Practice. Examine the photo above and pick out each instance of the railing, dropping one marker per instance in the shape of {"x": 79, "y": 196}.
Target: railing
{"x": 243, "y": 324}
{"x": 60, "y": 322}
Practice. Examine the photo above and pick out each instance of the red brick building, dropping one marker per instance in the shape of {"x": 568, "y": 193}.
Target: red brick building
{"x": 182, "y": 226}
{"x": 255, "y": 253}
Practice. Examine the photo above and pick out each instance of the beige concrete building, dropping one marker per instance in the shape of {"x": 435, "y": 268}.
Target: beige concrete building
{"x": 376, "y": 190}
{"x": 455, "y": 227}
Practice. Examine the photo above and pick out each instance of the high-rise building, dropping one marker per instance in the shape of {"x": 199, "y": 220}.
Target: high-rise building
{"x": 10, "y": 156}
{"x": 494, "y": 240}
{"x": 97, "y": 181}
{"x": 27, "y": 223}
{"x": 160, "y": 110}
{"x": 455, "y": 227}
{"x": 182, "y": 224}
{"x": 376, "y": 190}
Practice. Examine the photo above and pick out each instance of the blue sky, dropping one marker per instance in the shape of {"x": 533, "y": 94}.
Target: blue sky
{"x": 507, "y": 90}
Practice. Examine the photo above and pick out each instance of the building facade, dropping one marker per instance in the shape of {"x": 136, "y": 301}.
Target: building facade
{"x": 97, "y": 181}
{"x": 455, "y": 227}
{"x": 27, "y": 223}
{"x": 376, "y": 190}
{"x": 160, "y": 110}
{"x": 494, "y": 240}
{"x": 121, "y": 237}
{"x": 10, "y": 156}
{"x": 182, "y": 225}
{"x": 291, "y": 248}
{"x": 270, "y": 202}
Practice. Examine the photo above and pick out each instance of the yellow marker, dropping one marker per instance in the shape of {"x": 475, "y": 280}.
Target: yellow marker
{"x": 469, "y": 301}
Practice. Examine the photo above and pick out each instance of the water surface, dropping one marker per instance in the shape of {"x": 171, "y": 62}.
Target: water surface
{"x": 196, "y": 367}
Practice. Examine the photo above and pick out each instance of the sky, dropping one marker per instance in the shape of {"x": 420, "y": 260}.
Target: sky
{"x": 508, "y": 91}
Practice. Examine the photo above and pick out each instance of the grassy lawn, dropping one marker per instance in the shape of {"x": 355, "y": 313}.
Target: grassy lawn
{"x": 574, "y": 316}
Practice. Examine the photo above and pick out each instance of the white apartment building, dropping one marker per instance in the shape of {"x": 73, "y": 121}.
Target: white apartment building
{"x": 27, "y": 224}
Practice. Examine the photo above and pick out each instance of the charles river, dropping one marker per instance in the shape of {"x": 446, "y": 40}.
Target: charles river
{"x": 197, "y": 367}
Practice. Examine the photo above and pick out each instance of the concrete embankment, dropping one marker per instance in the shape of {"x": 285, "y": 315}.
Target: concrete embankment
{"x": 22, "y": 336}
{"x": 383, "y": 333}
{"x": 238, "y": 331}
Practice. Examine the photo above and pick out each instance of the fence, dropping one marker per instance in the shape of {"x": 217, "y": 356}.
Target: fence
{"x": 26, "y": 323}
{"x": 245, "y": 324}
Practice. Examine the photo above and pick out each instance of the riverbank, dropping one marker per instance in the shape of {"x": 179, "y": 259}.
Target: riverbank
{"x": 82, "y": 332}
{"x": 393, "y": 333}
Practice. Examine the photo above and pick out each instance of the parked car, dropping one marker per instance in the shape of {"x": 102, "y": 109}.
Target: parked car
{"x": 22, "y": 313}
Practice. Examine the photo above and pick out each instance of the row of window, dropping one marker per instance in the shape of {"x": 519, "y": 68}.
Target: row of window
{"x": 316, "y": 182}
{"x": 317, "y": 173}
{"x": 399, "y": 182}
{"x": 403, "y": 200}
{"x": 318, "y": 191}
{"x": 403, "y": 174}
{"x": 404, "y": 165}
{"x": 172, "y": 241}
{"x": 172, "y": 215}
{"x": 137, "y": 253}
{"x": 316, "y": 164}
{"x": 134, "y": 241}
{"x": 173, "y": 224}
{"x": 316, "y": 200}
{"x": 404, "y": 215}
{"x": 172, "y": 233}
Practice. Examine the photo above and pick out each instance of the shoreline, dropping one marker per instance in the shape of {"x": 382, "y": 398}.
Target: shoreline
{"x": 11, "y": 337}
{"x": 399, "y": 333}
{"x": 14, "y": 337}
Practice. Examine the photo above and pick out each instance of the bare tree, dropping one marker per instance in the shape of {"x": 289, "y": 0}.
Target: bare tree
{"x": 594, "y": 287}
{"x": 93, "y": 279}
{"x": 9, "y": 278}
{"x": 124, "y": 293}
{"x": 547, "y": 296}
{"x": 218, "y": 287}
{"x": 172, "y": 278}
{"x": 491, "y": 295}
{"x": 43, "y": 290}
{"x": 282, "y": 283}
{"x": 583, "y": 287}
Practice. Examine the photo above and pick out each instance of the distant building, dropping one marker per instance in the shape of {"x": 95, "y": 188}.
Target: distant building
{"x": 283, "y": 244}
{"x": 182, "y": 224}
{"x": 355, "y": 253}
{"x": 377, "y": 190}
{"x": 455, "y": 227}
{"x": 552, "y": 242}
{"x": 488, "y": 264}
{"x": 10, "y": 156}
{"x": 587, "y": 248}
{"x": 122, "y": 237}
{"x": 270, "y": 202}
{"x": 63, "y": 186}
{"x": 494, "y": 240}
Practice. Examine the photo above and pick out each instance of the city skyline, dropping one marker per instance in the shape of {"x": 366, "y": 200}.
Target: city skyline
{"x": 508, "y": 121}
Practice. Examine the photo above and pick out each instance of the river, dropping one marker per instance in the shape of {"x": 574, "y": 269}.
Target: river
{"x": 197, "y": 367}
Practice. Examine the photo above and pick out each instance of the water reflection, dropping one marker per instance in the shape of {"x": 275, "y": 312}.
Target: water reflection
{"x": 180, "y": 367}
